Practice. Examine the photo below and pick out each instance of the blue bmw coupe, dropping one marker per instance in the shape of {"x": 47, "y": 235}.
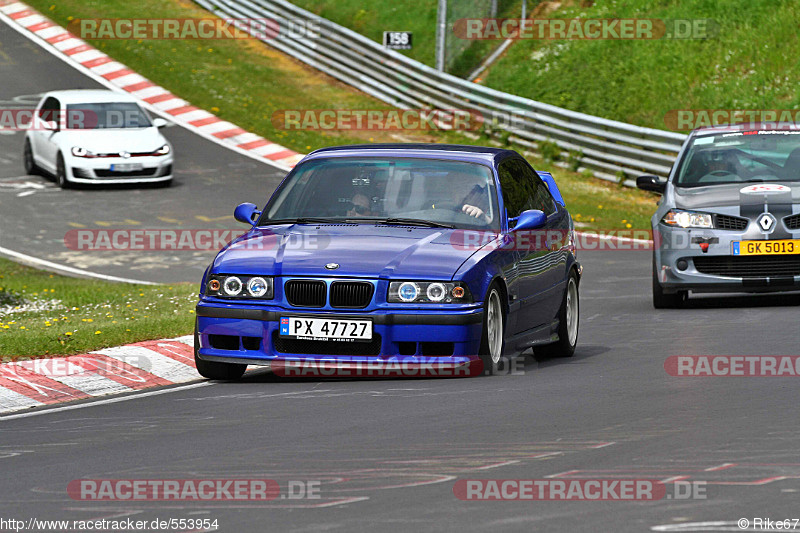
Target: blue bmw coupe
{"x": 453, "y": 255}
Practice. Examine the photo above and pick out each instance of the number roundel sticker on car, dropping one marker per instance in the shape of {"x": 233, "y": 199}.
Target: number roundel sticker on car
{"x": 765, "y": 188}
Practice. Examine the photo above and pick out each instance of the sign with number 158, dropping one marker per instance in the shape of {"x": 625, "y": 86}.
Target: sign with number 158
{"x": 397, "y": 40}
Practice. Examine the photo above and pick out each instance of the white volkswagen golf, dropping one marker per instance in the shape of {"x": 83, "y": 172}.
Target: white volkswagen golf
{"x": 96, "y": 136}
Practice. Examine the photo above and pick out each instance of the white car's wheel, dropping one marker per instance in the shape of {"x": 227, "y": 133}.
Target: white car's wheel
{"x": 61, "y": 173}
{"x": 30, "y": 163}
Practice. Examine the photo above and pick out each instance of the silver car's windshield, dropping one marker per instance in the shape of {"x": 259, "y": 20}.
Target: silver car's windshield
{"x": 741, "y": 157}
{"x": 450, "y": 193}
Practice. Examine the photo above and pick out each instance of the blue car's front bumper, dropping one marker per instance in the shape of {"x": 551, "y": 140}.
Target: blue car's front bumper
{"x": 238, "y": 333}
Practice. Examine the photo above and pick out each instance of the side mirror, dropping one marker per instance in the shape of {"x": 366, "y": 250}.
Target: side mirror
{"x": 159, "y": 122}
{"x": 247, "y": 213}
{"x": 530, "y": 219}
{"x": 651, "y": 183}
{"x": 50, "y": 125}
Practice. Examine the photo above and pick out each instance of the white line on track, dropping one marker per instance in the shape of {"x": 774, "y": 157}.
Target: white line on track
{"x": 133, "y": 396}
{"x": 64, "y": 268}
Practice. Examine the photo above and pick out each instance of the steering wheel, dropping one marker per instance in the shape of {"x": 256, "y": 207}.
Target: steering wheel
{"x": 717, "y": 175}
{"x": 436, "y": 206}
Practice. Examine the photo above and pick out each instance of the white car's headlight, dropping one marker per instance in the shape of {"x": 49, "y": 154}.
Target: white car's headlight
{"x": 164, "y": 150}
{"x": 688, "y": 219}
{"x": 77, "y": 151}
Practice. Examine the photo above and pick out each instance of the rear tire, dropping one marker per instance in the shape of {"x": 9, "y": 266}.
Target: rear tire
{"x": 662, "y": 300}
{"x": 493, "y": 337}
{"x": 568, "y": 322}
{"x": 30, "y": 163}
{"x": 213, "y": 369}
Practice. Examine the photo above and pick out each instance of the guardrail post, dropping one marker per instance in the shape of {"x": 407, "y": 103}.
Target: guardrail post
{"x": 441, "y": 29}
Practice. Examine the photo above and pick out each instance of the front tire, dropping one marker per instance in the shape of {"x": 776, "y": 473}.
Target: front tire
{"x": 493, "y": 337}
{"x": 30, "y": 163}
{"x": 568, "y": 322}
{"x": 61, "y": 173}
{"x": 662, "y": 300}
{"x": 213, "y": 369}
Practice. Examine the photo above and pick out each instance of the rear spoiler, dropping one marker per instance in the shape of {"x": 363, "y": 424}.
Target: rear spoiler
{"x": 551, "y": 184}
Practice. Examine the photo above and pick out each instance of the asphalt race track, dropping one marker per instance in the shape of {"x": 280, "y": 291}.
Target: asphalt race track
{"x": 385, "y": 455}
{"x": 35, "y": 215}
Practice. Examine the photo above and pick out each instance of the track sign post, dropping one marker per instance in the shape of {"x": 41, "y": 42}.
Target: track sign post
{"x": 397, "y": 40}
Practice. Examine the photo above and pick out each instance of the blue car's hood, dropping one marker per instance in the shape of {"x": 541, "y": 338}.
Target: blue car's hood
{"x": 360, "y": 250}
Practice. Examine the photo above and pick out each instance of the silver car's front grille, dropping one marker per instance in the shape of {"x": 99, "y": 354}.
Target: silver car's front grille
{"x": 792, "y": 222}
{"x": 749, "y": 266}
{"x": 729, "y": 222}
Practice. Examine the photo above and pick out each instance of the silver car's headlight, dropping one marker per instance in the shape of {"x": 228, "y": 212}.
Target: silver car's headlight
{"x": 434, "y": 292}
{"x": 228, "y": 286}
{"x": 77, "y": 151}
{"x": 688, "y": 219}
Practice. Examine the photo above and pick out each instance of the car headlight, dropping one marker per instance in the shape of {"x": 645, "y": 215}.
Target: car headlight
{"x": 164, "y": 150}
{"x": 428, "y": 292}
{"x": 229, "y": 286}
{"x": 688, "y": 219}
{"x": 77, "y": 151}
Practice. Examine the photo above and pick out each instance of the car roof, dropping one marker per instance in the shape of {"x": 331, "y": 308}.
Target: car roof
{"x": 449, "y": 151}
{"x": 88, "y": 96}
{"x": 747, "y": 126}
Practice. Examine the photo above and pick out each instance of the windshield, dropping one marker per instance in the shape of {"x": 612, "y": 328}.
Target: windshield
{"x": 106, "y": 115}
{"x": 740, "y": 157}
{"x": 451, "y": 193}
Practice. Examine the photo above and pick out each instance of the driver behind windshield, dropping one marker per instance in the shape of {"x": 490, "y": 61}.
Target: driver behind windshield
{"x": 360, "y": 206}
{"x": 471, "y": 198}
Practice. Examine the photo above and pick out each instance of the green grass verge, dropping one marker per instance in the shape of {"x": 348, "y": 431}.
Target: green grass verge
{"x": 44, "y": 314}
{"x": 750, "y": 64}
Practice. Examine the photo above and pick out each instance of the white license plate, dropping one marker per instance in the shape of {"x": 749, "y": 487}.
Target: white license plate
{"x": 126, "y": 167}
{"x": 325, "y": 329}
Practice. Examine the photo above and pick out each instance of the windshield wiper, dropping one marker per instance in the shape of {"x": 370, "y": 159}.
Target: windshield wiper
{"x": 414, "y": 222}
{"x": 304, "y": 220}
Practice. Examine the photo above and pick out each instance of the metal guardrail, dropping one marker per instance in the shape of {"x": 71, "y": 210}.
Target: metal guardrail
{"x": 607, "y": 147}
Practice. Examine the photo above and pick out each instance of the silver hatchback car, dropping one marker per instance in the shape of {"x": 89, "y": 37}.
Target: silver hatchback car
{"x": 729, "y": 218}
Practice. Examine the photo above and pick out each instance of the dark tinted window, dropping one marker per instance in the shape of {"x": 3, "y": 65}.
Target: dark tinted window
{"x": 523, "y": 189}
{"x": 50, "y": 109}
{"x": 542, "y": 199}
